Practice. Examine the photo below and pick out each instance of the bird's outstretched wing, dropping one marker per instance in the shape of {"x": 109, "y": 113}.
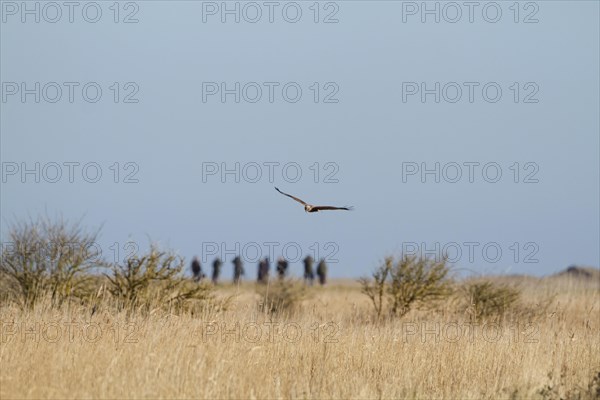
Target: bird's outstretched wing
{"x": 295, "y": 198}
{"x": 322, "y": 208}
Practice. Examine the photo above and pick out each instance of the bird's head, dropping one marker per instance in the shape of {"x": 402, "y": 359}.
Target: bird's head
{"x": 307, "y": 208}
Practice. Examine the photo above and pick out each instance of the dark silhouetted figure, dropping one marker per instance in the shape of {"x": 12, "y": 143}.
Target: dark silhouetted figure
{"x": 197, "y": 270}
{"x": 267, "y": 269}
{"x": 216, "y": 270}
{"x": 238, "y": 269}
{"x": 282, "y": 266}
{"x": 322, "y": 271}
{"x": 263, "y": 270}
{"x": 309, "y": 275}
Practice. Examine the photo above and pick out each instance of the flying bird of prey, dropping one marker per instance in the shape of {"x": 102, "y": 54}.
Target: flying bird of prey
{"x": 310, "y": 208}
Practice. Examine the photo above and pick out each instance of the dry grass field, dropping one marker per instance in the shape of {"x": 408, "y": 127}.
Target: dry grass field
{"x": 329, "y": 346}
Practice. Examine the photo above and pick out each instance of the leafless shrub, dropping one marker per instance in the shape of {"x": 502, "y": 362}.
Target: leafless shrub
{"x": 485, "y": 299}
{"x": 155, "y": 279}
{"x": 409, "y": 282}
{"x": 45, "y": 256}
{"x": 376, "y": 290}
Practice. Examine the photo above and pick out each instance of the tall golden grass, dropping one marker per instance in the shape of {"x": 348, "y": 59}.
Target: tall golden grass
{"x": 329, "y": 346}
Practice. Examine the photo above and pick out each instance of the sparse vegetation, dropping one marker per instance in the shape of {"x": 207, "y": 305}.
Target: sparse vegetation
{"x": 281, "y": 296}
{"x": 410, "y": 282}
{"x": 53, "y": 258}
{"x": 144, "y": 330}
{"x": 44, "y": 257}
{"x": 376, "y": 290}
{"x": 485, "y": 299}
{"x": 323, "y": 350}
{"x": 560, "y": 388}
{"x": 154, "y": 279}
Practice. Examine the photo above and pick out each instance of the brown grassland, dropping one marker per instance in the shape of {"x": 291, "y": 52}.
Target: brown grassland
{"x": 329, "y": 345}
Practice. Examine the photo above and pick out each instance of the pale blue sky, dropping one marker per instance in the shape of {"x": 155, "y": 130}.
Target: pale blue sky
{"x": 368, "y": 134}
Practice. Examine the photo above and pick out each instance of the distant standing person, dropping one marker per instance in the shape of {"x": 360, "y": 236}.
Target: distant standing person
{"x": 282, "y": 266}
{"x": 309, "y": 275}
{"x": 238, "y": 269}
{"x": 261, "y": 271}
{"x": 322, "y": 271}
{"x": 216, "y": 270}
{"x": 197, "y": 270}
{"x": 267, "y": 269}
